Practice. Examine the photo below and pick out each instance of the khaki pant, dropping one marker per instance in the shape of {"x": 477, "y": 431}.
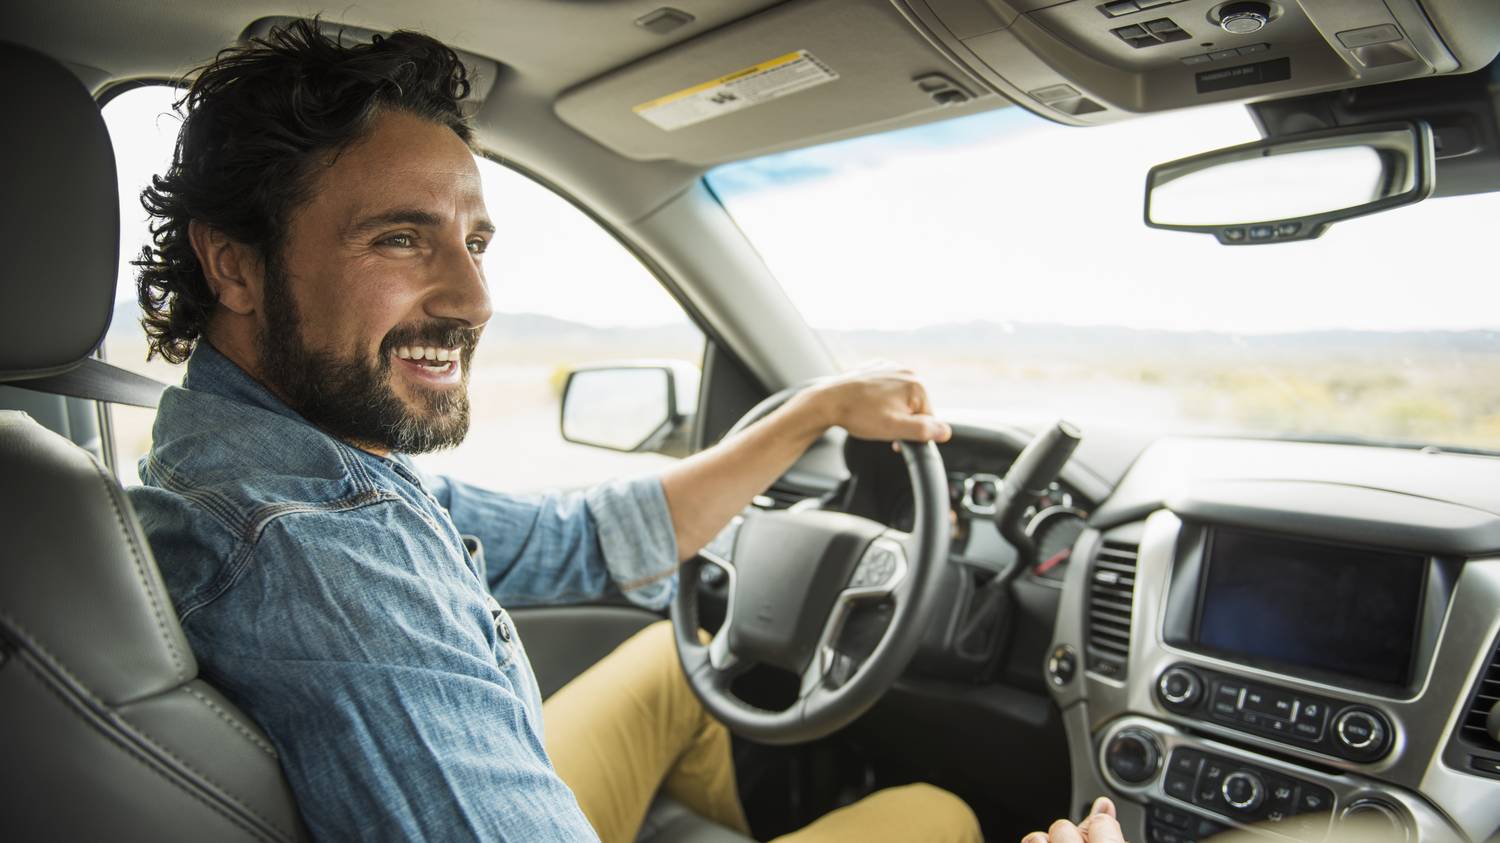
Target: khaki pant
{"x": 630, "y": 726}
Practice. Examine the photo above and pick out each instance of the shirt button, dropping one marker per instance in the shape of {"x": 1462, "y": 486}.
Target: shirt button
{"x": 504, "y": 629}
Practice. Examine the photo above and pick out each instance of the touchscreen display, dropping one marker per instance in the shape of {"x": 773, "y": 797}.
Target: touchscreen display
{"x": 1302, "y": 604}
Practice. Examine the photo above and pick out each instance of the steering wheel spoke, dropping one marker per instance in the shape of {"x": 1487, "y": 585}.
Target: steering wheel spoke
{"x": 720, "y": 554}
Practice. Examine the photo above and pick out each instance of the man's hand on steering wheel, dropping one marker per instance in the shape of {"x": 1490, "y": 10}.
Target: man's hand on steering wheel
{"x": 879, "y": 401}
{"x": 795, "y": 577}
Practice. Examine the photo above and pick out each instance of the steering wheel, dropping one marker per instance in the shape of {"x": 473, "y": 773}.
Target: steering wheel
{"x": 794, "y": 577}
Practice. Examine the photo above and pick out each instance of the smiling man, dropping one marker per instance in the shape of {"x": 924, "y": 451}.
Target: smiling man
{"x": 316, "y": 263}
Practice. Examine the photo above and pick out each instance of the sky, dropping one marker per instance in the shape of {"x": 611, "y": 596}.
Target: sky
{"x": 1000, "y": 216}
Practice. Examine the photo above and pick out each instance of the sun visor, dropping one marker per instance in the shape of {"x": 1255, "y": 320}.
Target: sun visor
{"x": 803, "y": 71}
{"x": 61, "y": 218}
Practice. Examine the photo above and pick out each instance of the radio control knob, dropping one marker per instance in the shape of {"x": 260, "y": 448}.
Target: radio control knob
{"x": 1360, "y": 731}
{"x": 1243, "y": 791}
{"x": 1133, "y": 756}
{"x": 1179, "y": 688}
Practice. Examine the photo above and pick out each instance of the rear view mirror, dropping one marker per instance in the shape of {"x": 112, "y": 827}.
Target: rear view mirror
{"x": 634, "y": 407}
{"x": 1292, "y": 187}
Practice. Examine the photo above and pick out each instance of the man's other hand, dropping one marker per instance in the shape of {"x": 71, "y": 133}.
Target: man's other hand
{"x": 880, "y": 402}
{"x": 1100, "y": 826}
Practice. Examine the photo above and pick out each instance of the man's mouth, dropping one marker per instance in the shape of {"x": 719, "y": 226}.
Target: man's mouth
{"x": 432, "y": 363}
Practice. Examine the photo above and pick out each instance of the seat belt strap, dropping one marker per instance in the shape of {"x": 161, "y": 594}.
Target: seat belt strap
{"x": 97, "y": 380}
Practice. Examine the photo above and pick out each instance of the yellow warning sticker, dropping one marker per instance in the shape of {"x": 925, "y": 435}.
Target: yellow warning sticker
{"x": 764, "y": 82}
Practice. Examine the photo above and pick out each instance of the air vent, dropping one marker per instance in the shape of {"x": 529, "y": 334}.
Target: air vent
{"x": 1111, "y": 596}
{"x": 780, "y": 498}
{"x": 1486, "y": 693}
{"x": 1151, "y": 33}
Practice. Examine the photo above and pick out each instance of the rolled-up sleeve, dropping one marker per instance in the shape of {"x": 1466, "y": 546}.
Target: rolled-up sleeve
{"x": 615, "y": 538}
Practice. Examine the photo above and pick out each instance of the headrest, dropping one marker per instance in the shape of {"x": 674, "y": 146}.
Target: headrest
{"x": 77, "y": 578}
{"x": 60, "y": 212}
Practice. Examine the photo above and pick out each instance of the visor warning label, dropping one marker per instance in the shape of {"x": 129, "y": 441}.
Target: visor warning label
{"x": 764, "y": 82}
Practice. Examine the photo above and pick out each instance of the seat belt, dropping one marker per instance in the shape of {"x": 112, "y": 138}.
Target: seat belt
{"x": 97, "y": 380}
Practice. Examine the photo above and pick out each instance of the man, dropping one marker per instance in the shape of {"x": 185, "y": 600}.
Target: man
{"x": 316, "y": 262}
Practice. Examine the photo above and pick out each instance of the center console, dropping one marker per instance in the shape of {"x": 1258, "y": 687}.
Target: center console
{"x": 1225, "y": 664}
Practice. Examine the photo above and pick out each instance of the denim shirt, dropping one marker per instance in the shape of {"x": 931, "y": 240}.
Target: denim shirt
{"x": 329, "y": 593}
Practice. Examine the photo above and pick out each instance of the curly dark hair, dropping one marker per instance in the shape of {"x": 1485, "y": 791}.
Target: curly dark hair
{"x": 256, "y": 120}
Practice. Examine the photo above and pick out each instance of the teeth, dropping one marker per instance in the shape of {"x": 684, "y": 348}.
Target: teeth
{"x": 427, "y": 354}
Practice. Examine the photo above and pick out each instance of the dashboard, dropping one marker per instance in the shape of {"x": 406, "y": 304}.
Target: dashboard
{"x": 1287, "y": 638}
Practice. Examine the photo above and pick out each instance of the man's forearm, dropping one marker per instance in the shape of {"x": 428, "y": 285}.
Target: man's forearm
{"x": 707, "y": 489}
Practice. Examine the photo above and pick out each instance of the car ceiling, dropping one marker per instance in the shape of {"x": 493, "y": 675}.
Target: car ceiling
{"x": 568, "y": 75}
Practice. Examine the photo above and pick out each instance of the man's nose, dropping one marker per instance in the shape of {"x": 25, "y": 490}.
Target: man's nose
{"x": 460, "y": 291}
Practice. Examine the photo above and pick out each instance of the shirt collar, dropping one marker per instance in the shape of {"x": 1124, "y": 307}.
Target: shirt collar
{"x": 211, "y": 372}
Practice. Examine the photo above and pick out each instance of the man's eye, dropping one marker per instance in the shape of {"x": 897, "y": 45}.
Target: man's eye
{"x": 478, "y": 247}
{"x": 400, "y": 241}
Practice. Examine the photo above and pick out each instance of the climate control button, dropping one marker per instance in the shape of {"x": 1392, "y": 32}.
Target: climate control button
{"x": 1243, "y": 791}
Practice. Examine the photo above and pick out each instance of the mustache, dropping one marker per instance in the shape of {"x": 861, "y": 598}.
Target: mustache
{"x": 437, "y": 333}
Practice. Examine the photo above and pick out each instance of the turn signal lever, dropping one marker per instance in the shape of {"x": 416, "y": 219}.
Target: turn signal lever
{"x": 1035, "y": 468}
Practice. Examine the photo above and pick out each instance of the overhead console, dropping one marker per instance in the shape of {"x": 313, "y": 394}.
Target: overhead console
{"x": 1094, "y": 61}
{"x": 1287, "y": 638}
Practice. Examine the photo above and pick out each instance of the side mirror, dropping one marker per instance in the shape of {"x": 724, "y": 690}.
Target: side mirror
{"x": 1292, "y": 187}
{"x": 636, "y": 407}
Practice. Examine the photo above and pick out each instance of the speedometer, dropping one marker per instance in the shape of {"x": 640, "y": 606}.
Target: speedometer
{"x": 1053, "y": 532}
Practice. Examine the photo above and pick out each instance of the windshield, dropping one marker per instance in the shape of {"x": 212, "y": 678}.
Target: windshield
{"x": 1004, "y": 258}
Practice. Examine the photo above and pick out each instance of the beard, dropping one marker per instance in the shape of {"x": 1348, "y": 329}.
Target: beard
{"x": 352, "y": 397}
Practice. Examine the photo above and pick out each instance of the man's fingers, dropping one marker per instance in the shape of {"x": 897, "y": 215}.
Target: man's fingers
{"x": 1102, "y": 828}
{"x": 1035, "y": 837}
{"x": 1103, "y": 805}
{"x": 921, "y": 428}
{"x": 1063, "y": 831}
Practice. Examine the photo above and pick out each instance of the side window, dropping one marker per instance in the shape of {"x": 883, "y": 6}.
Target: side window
{"x": 142, "y": 129}
{"x": 565, "y": 294}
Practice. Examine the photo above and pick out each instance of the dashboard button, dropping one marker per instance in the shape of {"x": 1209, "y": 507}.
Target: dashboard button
{"x": 1163, "y": 834}
{"x": 1308, "y": 731}
{"x": 1361, "y": 732}
{"x": 1062, "y": 665}
{"x": 1282, "y": 794}
{"x": 1180, "y": 688}
{"x": 1243, "y": 791}
{"x": 1357, "y": 729}
{"x": 1207, "y": 794}
{"x": 1228, "y": 692}
{"x": 1186, "y": 761}
{"x": 1314, "y": 800}
{"x": 1179, "y": 820}
{"x": 1179, "y": 785}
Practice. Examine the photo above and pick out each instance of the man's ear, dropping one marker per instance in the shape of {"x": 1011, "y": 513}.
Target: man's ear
{"x": 232, "y": 269}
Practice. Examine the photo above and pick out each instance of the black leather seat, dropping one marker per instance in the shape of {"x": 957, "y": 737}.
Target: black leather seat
{"x": 106, "y": 731}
